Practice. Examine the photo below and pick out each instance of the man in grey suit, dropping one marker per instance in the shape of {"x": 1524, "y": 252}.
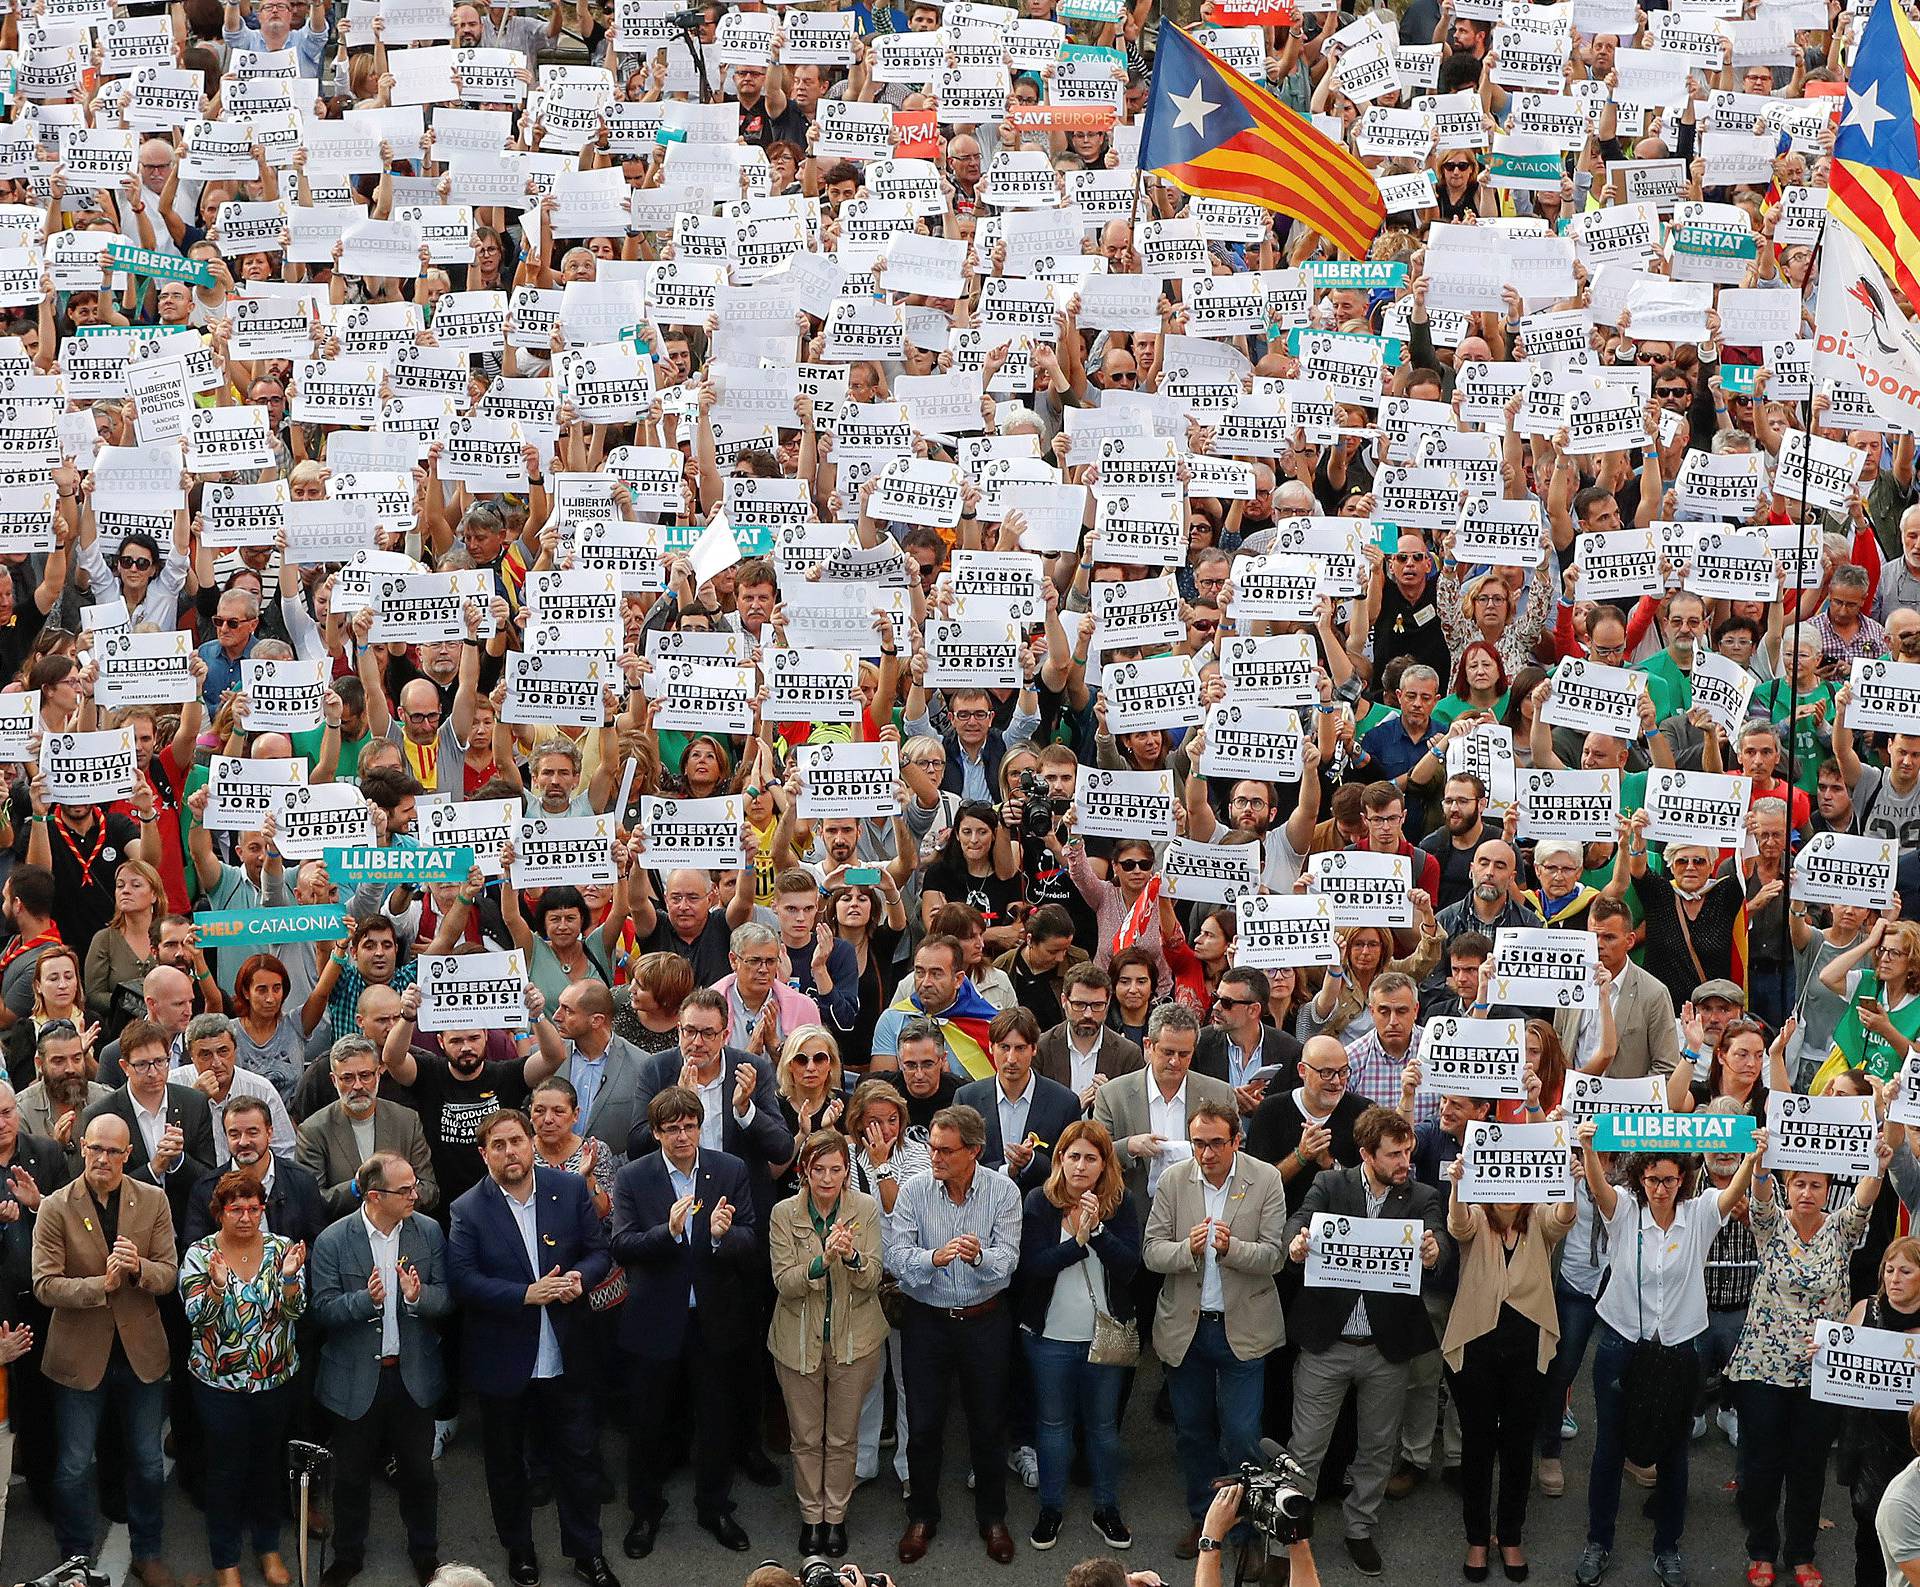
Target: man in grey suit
{"x": 1146, "y": 1112}
{"x": 379, "y": 1291}
{"x": 602, "y": 1068}
{"x": 1646, "y": 1040}
{"x": 1082, "y": 1053}
{"x": 333, "y": 1143}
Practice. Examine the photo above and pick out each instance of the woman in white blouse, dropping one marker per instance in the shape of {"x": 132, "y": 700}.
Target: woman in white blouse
{"x": 1658, "y": 1235}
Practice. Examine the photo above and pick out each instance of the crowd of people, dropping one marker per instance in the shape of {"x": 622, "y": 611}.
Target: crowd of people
{"x": 720, "y": 748}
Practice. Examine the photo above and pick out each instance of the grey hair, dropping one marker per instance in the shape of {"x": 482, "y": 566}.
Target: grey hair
{"x": 1854, "y": 578}
{"x": 1171, "y": 1016}
{"x": 350, "y": 1047}
{"x": 1759, "y": 724}
{"x": 555, "y": 746}
{"x": 750, "y": 935}
{"x": 7, "y": 1093}
{"x": 451, "y": 1575}
{"x": 917, "y": 1028}
{"x": 1770, "y": 807}
{"x": 205, "y": 1027}
{"x": 1420, "y": 672}
{"x": 249, "y": 600}
{"x": 1388, "y": 982}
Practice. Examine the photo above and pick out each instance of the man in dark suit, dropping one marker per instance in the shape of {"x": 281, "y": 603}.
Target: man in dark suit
{"x": 1366, "y": 1341}
{"x": 1083, "y": 1052}
{"x": 526, "y": 1247}
{"x": 683, "y": 1230}
{"x": 380, "y": 1368}
{"x": 1024, "y": 1114}
{"x": 171, "y": 1126}
{"x": 740, "y": 1104}
{"x": 1239, "y": 1043}
{"x": 31, "y": 1168}
{"x": 296, "y": 1208}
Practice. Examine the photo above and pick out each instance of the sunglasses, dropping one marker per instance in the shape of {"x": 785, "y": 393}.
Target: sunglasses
{"x": 136, "y": 564}
{"x": 1674, "y": 391}
{"x": 221, "y": 622}
{"x": 1133, "y": 865}
{"x": 1457, "y": 165}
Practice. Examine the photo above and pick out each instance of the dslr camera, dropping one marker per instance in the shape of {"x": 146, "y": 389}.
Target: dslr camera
{"x": 818, "y": 1571}
{"x": 1277, "y": 1501}
{"x": 1040, "y": 811}
{"x": 76, "y": 1572}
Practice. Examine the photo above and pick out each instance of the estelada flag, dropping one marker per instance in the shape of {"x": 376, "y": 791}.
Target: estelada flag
{"x": 1874, "y": 187}
{"x": 1216, "y": 134}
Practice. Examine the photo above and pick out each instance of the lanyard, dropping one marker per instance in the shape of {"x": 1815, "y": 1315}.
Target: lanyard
{"x": 17, "y": 947}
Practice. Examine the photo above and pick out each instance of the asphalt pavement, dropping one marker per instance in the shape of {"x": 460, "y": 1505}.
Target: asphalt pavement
{"x": 1420, "y": 1536}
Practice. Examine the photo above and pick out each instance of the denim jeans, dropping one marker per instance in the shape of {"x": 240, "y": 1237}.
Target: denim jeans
{"x": 1578, "y": 1313}
{"x": 1612, "y": 1351}
{"x": 142, "y": 1409}
{"x": 1217, "y": 1399}
{"x": 1065, "y": 1385}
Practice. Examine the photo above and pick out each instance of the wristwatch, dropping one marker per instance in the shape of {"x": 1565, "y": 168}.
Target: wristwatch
{"x": 1209, "y": 1545}
{"x": 883, "y": 1171}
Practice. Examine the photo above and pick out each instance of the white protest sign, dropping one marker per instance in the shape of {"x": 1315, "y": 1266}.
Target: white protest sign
{"x": 1377, "y": 1254}
{"x": 473, "y": 991}
{"x": 1515, "y": 1164}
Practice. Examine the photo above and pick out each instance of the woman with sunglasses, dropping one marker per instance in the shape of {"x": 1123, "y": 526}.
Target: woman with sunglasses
{"x": 1690, "y": 914}
{"x": 1880, "y": 979}
{"x": 1658, "y": 1237}
{"x": 1460, "y": 194}
{"x": 811, "y": 1083}
{"x": 1113, "y": 902}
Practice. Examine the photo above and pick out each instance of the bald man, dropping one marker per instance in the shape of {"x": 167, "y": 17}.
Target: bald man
{"x": 432, "y": 739}
{"x": 169, "y": 998}
{"x": 602, "y": 1068}
{"x": 1493, "y": 897}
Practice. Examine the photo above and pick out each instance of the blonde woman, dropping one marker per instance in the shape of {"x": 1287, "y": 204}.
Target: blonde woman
{"x": 828, "y": 1337}
{"x": 125, "y": 950}
{"x": 811, "y": 1083}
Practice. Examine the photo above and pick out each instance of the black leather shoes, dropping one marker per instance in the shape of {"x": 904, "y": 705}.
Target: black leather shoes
{"x": 727, "y": 1532}
{"x": 638, "y": 1543}
{"x": 833, "y": 1542}
{"x": 813, "y": 1537}
{"x": 340, "y": 1573}
{"x": 593, "y": 1571}
{"x": 523, "y": 1567}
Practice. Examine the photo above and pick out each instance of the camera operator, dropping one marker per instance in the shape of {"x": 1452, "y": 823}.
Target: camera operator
{"x": 1034, "y": 817}
{"x": 1222, "y": 1514}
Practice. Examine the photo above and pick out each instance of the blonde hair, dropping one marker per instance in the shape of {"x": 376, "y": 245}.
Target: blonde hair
{"x": 151, "y": 877}
{"x": 790, "y": 1049}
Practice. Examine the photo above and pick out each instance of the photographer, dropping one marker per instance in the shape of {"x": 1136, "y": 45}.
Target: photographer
{"x": 1222, "y": 1515}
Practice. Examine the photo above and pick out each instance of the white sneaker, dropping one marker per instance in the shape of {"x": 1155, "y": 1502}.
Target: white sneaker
{"x": 1700, "y": 1425}
{"x": 1026, "y": 1464}
{"x": 969, "y": 1481}
{"x": 1728, "y": 1422}
{"x": 1569, "y": 1428}
{"x": 443, "y": 1435}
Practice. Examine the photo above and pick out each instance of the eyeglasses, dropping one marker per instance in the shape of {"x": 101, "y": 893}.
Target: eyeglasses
{"x": 1457, "y": 165}
{"x": 971, "y": 716}
{"x": 1221, "y": 1000}
{"x": 136, "y": 564}
{"x": 760, "y": 962}
{"x": 96, "y": 1149}
{"x": 1204, "y": 626}
{"x": 1340, "y": 1074}
{"x": 423, "y": 716}
{"x": 1660, "y": 1181}
{"x": 144, "y": 1066}
{"x": 1674, "y": 391}
{"x": 222, "y": 622}
{"x": 680, "y": 1127}
{"x": 1076, "y": 1007}
{"x": 811, "y": 1058}
{"x": 1203, "y": 1143}
{"x": 948, "y": 1151}
{"x": 695, "y": 1033}
{"x": 1246, "y": 802}
{"x": 399, "y": 1192}
{"x": 1124, "y": 376}
{"x": 1385, "y": 818}
{"x": 1649, "y": 358}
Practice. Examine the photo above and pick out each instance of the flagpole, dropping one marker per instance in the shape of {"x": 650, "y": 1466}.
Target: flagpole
{"x": 1790, "y": 659}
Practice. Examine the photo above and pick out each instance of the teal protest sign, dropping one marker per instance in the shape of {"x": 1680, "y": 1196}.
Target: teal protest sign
{"x": 251, "y": 927}
{"x": 1356, "y": 274}
{"x": 161, "y": 266}
{"x": 393, "y": 867}
{"x": 1673, "y": 1132}
{"x": 1393, "y": 351}
{"x": 1739, "y": 378}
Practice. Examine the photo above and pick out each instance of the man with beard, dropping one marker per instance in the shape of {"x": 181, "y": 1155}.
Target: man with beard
{"x": 1238, "y": 1043}
{"x": 296, "y": 1208}
{"x": 690, "y": 924}
{"x": 528, "y": 1350}
{"x": 374, "y": 945}
{"x": 330, "y": 1143}
{"x": 61, "y": 1058}
{"x": 1493, "y": 901}
{"x": 1463, "y": 805}
{"x": 1686, "y": 628}
{"x": 454, "y": 1085}
{"x": 1366, "y": 1342}
{"x": 26, "y": 900}
{"x": 1081, "y": 1052}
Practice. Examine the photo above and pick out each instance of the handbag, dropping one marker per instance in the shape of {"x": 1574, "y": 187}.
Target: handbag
{"x": 1115, "y": 1343}
{"x": 1658, "y": 1387}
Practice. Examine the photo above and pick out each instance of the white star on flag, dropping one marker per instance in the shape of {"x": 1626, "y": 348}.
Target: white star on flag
{"x": 1864, "y": 112}
{"x": 1195, "y": 109}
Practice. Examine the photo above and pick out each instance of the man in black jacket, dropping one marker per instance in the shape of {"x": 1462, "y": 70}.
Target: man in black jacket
{"x": 923, "y": 1077}
{"x": 1366, "y": 1341}
{"x": 1239, "y": 1043}
{"x": 296, "y": 1205}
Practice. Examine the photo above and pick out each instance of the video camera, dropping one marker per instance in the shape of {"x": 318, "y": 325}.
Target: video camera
{"x": 1277, "y": 1501}
{"x": 818, "y": 1571}
{"x": 1040, "y": 811}
{"x": 76, "y": 1572}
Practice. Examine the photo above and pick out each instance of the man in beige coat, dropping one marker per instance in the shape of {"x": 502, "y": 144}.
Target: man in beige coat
{"x": 102, "y": 1250}
{"x": 1218, "y": 1233}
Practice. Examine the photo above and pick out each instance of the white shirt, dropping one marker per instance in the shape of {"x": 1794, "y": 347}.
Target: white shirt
{"x": 684, "y": 1185}
{"x": 151, "y": 1124}
{"x": 1587, "y": 1043}
{"x": 1082, "y": 1066}
{"x": 716, "y": 1102}
{"x": 1212, "y": 1297}
{"x": 1168, "y": 1120}
{"x": 547, "y": 1363}
{"x": 1658, "y": 1283}
{"x": 245, "y": 1083}
{"x": 386, "y": 1261}
{"x": 1357, "y": 1323}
